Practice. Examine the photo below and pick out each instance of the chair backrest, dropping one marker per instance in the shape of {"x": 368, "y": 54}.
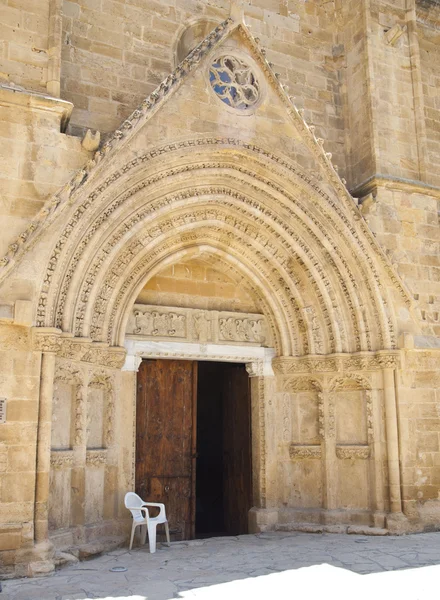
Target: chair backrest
{"x": 132, "y": 501}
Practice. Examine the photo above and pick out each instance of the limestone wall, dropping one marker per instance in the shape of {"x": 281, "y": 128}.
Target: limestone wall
{"x": 36, "y": 159}
{"x": 25, "y": 43}
{"x": 115, "y": 54}
{"x": 19, "y": 384}
{"x": 429, "y": 39}
{"x": 419, "y": 425}
{"x": 405, "y": 222}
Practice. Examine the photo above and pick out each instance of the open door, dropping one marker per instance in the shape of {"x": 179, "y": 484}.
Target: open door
{"x": 224, "y": 467}
{"x": 237, "y": 464}
{"x": 166, "y": 438}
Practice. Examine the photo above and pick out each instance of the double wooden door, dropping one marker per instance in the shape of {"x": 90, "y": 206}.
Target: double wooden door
{"x": 166, "y": 444}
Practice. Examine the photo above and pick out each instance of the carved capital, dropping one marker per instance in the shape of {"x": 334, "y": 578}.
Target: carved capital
{"x": 299, "y": 451}
{"x": 96, "y": 458}
{"x": 61, "y": 459}
{"x": 46, "y": 339}
{"x": 353, "y": 452}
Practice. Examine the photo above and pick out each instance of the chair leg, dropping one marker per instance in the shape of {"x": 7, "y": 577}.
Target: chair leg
{"x": 152, "y": 537}
{"x": 133, "y": 527}
{"x": 143, "y": 534}
{"x": 167, "y": 532}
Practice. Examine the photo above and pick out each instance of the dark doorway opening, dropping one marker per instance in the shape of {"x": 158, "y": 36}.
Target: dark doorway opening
{"x": 193, "y": 445}
{"x": 223, "y": 467}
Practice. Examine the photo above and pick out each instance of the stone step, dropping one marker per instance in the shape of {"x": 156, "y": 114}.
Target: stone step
{"x": 91, "y": 549}
{"x": 318, "y": 528}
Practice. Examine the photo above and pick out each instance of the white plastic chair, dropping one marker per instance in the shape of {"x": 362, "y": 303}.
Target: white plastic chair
{"x": 141, "y": 517}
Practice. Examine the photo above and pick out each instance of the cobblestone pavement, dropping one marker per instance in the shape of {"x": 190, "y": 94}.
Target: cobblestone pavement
{"x": 269, "y": 565}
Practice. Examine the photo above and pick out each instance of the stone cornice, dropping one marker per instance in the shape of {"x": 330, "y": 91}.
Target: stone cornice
{"x": 395, "y": 183}
{"x": 27, "y": 99}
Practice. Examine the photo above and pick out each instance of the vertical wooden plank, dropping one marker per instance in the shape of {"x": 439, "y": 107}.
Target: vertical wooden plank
{"x": 164, "y": 426}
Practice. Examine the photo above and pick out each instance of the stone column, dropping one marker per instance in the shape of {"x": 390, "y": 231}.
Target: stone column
{"x": 328, "y": 437}
{"x": 43, "y": 446}
{"x": 47, "y": 342}
{"x": 392, "y": 440}
{"x": 264, "y": 514}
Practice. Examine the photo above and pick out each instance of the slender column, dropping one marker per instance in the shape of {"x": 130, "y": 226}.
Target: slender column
{"x": 392, "y": 440}
{"x": 41, "y": 525}
{"x": 54, "y": 48}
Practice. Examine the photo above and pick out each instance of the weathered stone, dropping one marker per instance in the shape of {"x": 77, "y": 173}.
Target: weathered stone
{"x": 212, "y": 224}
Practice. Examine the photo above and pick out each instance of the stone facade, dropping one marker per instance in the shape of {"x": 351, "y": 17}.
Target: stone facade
{"x": 210, "y": 221}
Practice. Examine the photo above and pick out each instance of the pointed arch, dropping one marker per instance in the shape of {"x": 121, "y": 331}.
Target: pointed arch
{"x": 306, "y": 253}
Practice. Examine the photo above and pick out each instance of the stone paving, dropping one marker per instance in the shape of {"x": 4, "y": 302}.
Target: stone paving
{"x": 274, "y": 565}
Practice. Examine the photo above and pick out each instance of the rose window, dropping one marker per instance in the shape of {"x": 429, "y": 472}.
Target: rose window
{"x": 234, "y": 82}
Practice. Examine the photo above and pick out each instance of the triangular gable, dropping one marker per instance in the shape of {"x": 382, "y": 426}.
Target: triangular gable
{"x": 122, "y": 140}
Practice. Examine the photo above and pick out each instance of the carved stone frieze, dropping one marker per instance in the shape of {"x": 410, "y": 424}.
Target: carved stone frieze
{"x": 352, "y": 452}
{"x": 205, "y": 326}
{"x": 81, "y": 350}
{"x": 337, "y": 363}
{"x": 297, "y": 451}
{"x": 61, "y": 459}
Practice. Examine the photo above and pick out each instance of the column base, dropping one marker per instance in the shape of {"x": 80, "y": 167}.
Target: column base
{"x": 397, "y": 523}
{"x": 262, "y": 519}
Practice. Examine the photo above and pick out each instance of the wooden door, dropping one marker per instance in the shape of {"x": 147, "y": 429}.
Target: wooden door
{"x": 165, "y": 440}
{"x": 237, "y": 463}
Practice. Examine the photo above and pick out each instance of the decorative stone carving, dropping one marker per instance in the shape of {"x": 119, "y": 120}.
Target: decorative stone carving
{"x": 61, "y": 459}
{"x": 337, "y": 363}
{"x": 302, "y": 384}
{"x": 157, "y": 323}
{"x": 203, "y": 326}
{"x": 353, "y": 452}
{"x": 75, "y": 376}
{"x": 297, "y": 451}
{"x": 78, "y": 349}
{"x": 242, "y": 329}
{"x": 370, "y": 417}
{"x": 103, "y": 381}
{"x": 331, "y": 420}
{"x": 46, "y": 340}
{"x": 353, "y": 381}
{"x": 96, "y": 458}
{"x": 333, "y": 337}
{"x": 315, "y": 329}
{"x": 321, "y": 417}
